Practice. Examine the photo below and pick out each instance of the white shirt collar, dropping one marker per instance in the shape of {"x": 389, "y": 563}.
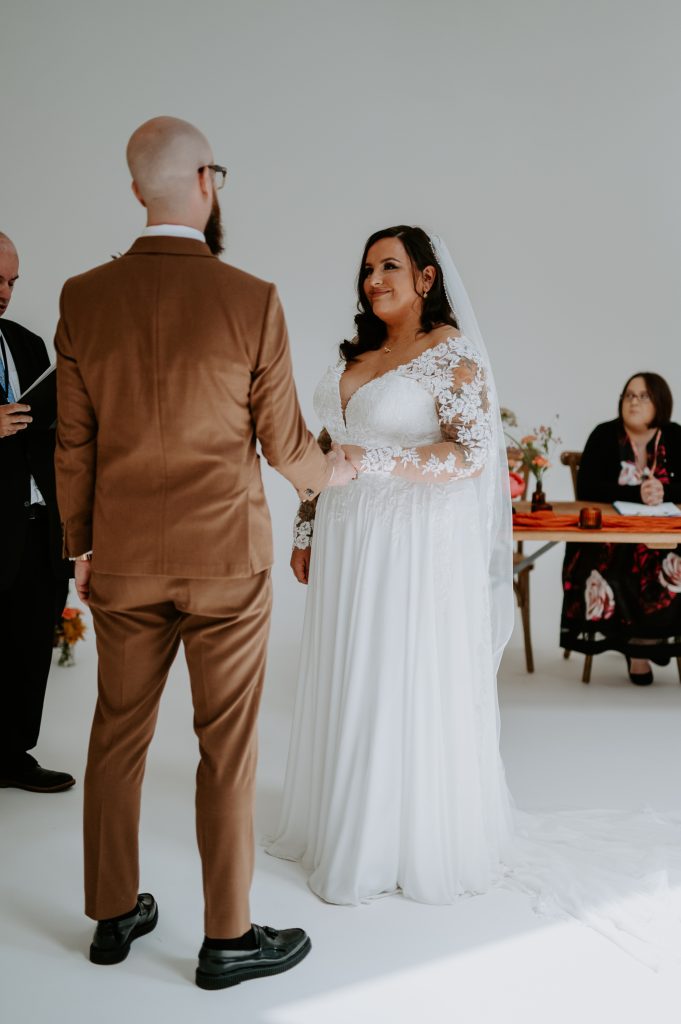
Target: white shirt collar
{"x": 176, "y": 230}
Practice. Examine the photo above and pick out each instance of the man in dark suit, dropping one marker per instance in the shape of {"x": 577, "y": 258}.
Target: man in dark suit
{"x": 33, "y": 574}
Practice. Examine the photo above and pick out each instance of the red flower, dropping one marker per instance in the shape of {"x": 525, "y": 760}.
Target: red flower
{"x": 517, "y": 482}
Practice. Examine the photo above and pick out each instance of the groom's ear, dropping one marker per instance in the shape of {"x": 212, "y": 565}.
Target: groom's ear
{"x": 137, "y": 194}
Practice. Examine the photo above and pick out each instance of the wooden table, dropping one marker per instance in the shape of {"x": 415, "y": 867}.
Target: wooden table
{"x": 551, "y": 537}
{"x": 523, "y": 561}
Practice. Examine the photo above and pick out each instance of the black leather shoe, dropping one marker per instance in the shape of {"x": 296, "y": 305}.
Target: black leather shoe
{"x": 276, "y": 952}
{"x": 112, "y": 939}
{"x": 639, "y": 678}
{"x": 30, "y": 776}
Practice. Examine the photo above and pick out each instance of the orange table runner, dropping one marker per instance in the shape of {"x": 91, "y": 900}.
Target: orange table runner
{"x": 637, "y": 524}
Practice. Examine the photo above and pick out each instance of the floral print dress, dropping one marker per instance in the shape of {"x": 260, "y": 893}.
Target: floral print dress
{"x": 624, "y": 597}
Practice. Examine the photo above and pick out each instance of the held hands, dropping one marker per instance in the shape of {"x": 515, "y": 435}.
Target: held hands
{"x": 652, "y": 491}
{"x": 13, "y": 418}
{"x": 354, "y": 454}
{"x": 345, "y": 460}
{"x": 343, "y": 469}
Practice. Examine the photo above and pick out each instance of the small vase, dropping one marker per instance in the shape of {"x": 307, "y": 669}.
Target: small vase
{"x": 66, "y": 656}
{"x": 539, "y": 502}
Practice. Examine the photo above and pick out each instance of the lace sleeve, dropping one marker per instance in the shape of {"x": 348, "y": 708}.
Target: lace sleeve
{"x": 458, "y": 384}
{"x": 304, "y": 521}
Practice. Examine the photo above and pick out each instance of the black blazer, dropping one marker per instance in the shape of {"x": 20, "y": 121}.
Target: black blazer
{"x": 599, "y": 468}
{"x": 30, "y": 453}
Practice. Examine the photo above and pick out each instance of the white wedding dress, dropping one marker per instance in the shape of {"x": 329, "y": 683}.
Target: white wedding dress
{"x": 394, "y": 779}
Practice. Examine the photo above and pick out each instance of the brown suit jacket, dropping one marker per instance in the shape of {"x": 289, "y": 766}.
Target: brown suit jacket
{"x": 170, "y": 364}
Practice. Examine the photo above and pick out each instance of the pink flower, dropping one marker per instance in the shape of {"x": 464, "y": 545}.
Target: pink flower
{"x": 541, "y": 462}
{"x": 598, "y": 597}
{"x": 670, "y": 573}
{"x": 528, "y": 439}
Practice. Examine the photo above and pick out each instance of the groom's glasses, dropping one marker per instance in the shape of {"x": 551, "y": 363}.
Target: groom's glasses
{"x": 219, "y": 173}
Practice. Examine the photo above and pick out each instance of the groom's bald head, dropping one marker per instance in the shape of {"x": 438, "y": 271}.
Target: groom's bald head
{"x": 164, "y": 156}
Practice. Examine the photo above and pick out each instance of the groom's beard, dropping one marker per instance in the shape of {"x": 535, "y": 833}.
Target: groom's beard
{"x": 213, "y": 230}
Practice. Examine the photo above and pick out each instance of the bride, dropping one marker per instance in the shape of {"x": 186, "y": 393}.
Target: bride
{"x": 394, "y": 779}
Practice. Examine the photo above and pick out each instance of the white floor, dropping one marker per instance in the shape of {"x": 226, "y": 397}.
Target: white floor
{"x": 487, "y": 959}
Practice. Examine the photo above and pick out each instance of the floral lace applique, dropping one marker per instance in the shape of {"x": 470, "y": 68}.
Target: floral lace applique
{"x": 379, "y": 460}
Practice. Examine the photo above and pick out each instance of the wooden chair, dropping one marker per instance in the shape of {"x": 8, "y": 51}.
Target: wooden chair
{"x": 572, "y": 459}
{"x": 521, "y": 589}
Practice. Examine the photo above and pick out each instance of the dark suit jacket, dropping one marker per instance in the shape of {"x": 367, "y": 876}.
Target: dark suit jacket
{"x": 28, "y": 453}
{"x": 170, "y": 365}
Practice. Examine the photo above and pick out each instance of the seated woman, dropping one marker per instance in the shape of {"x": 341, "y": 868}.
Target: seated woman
{"x": 625, "y": 597}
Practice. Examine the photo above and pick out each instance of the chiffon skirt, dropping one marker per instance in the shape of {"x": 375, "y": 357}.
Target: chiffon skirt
{"x": 394, "y": 778}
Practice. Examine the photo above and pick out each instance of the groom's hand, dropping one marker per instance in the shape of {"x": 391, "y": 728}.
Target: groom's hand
{"x": 83, "y": 571}
{"x": 343, "y": 471}
{"x": 300, "y": 563}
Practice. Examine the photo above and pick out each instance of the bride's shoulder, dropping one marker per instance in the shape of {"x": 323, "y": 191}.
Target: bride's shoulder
{"x": 443, "y": 333}
{"x": 448, "y": 343}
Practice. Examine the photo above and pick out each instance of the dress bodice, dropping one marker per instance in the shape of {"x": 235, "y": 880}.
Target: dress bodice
{"x": 408, "y": 405}
{"x": 393, "y": 409}
{"x": 426, "y": 421}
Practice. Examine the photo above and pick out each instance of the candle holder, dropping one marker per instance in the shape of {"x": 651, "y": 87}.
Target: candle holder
{"x": 590, "y": 519}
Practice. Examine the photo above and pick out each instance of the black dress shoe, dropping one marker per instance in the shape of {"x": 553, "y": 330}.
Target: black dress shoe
{"x": 639, "y": 678}
{"x": 112, "y": 939}
{"x": 275, "y": 952}
{"x": 28, "y": 774}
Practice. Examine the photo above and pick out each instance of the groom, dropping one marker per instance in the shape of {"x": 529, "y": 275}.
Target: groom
{"x": 170, "y": 364}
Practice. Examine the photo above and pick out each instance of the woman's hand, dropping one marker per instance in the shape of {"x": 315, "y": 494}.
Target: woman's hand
{"x": 353, "y": 453}
{"x": 652, "y": 491}
{"x": 300, "y": 563}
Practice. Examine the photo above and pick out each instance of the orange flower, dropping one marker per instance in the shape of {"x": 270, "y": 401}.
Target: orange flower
{"x": 540, "y": 462}
{"x": 74, "y": 630}
{"x": 528, "y": 439}
{"x": 70, "y": 613}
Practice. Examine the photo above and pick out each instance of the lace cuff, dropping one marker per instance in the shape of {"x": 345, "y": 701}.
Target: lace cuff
{"x": 302, "y": 532}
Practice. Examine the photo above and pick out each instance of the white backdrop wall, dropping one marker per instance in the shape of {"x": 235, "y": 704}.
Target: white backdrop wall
{"x": 539, "y": 137}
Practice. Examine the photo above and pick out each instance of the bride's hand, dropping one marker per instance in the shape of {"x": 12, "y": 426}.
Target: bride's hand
{"x": 300, "y": 563}
{"x": 354, "y": 454}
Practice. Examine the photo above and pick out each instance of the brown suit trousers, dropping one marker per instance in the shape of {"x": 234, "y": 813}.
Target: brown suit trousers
{"x": 140, "y": 621}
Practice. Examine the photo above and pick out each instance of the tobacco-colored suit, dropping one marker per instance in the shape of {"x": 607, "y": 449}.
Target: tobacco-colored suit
{"x": 170, "y": 364}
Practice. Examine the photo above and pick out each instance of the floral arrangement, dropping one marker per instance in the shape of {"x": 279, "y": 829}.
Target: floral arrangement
{"x": 70, "y": 630}
{"x": 532, "y": 450}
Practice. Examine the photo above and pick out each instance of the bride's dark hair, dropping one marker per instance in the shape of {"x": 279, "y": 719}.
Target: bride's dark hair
{"x": 371, "y": 330}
